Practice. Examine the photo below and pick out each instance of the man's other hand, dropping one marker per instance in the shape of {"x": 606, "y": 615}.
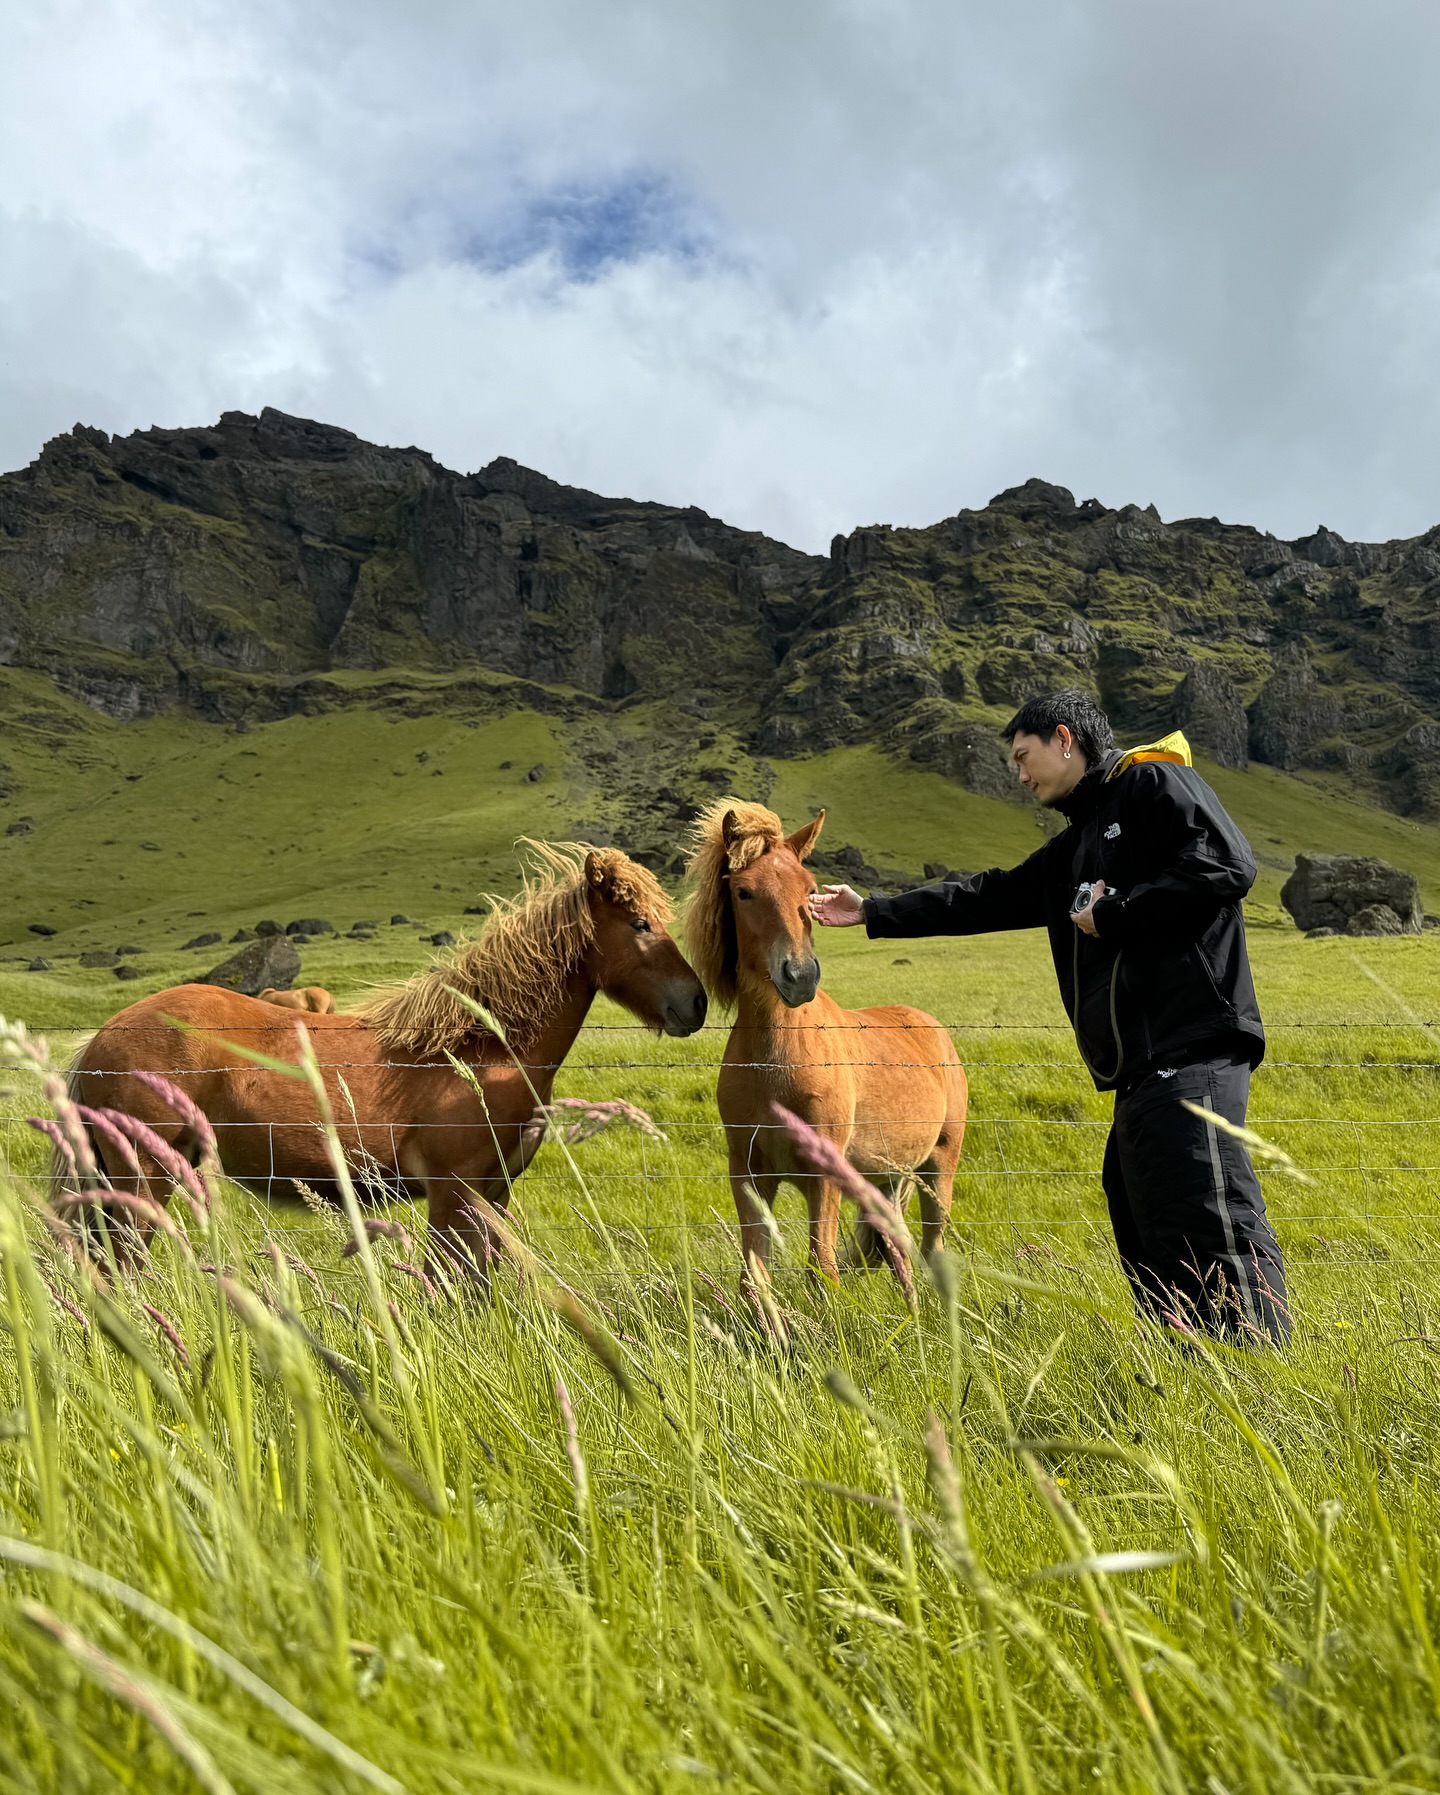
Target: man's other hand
{"x": 837, "y": 906}
{"x": 1084, "y": 920}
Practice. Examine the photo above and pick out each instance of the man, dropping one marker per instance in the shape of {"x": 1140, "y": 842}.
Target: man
{"x": 1141, "y": 896}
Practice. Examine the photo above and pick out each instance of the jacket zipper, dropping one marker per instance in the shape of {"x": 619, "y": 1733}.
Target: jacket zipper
{"x": 1095, "y": 1072}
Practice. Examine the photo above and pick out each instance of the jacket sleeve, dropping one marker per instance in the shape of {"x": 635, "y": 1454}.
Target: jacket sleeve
{"x": 975, "y": 905}
{"x": 1201, "y": 861}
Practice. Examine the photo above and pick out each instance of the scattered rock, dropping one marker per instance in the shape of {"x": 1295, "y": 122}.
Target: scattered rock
{"x": 1430, "y": 920}
{"x": 536, "y": 773}
{"x": 152, "y": 847}
{"x": 1326, "y": 890}
{"x": 1319, "y": 934}
{"x": 20, "y": 828}
{"x": 270, "y": 961}
{"x": 99, "y": 956}
{"x": 128, "y": 972}
{"x": 363, "y": 925}
{"x": 902, "y": 962}
{"x": 300, "y": 940}
{"x": 398, "y": 918}
{"x": 476, "y": 910}
{"x": 129, "y": 950}
{"x": 505, "y": 765}
{"x": 310, "y": 925}
{"x": 268, "y": 927}
{"x": 208, "y": 939}
{"x": 441, "y": 938}
{"x": 243, "y": 935}
{"x": 41, "y": 928}
{"x": 38, "y": 966}
{"x": 677, "y": 866}
{"x": 1376, "y": 919}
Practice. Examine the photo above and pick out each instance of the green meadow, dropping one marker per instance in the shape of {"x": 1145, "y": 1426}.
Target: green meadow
{"x": 272, "y": 1519}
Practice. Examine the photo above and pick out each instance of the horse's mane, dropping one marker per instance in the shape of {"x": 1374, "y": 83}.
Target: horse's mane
{"x": 518, "y": 965}
{"x": 709, "y": 926}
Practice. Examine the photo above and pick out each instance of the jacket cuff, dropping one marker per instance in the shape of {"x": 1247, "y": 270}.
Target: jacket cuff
{"x": 1109, "y": 919}
{"x": 879, "y": 918}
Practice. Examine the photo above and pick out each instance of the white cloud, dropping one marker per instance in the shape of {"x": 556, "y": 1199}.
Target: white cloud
{"x": 807, "y": 266}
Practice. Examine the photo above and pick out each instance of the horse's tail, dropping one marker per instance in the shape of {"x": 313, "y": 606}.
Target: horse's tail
{"x": 62, "y": 1174}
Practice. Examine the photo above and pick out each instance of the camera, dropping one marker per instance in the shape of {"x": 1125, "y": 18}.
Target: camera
{"x": 1082, "y": 897}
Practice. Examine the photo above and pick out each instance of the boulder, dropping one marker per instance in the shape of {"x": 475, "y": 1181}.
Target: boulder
{"x": 99, "y": 956}
{"x": 210, "y": 938}
{"x": 310, "y": 925}
{"x": 268, "y": 926}
{"x": 243, "y": 935}
{"x": 398, "y": 918}
{"x": 441, "y": 938}
{"x": 271, "y": 961}
{"x": 38, "y": 966}
{"x": 129, "y": 950}
{"x": 124, "y": 971}
{"x": 41, "y": 928}
{"x": 1376, "y": 919}
{"x": 536, "y": 773}
{"x": 1326, "y": 890}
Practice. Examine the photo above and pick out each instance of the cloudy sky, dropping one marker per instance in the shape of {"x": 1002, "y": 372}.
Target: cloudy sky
{"x": 807, "y": 264}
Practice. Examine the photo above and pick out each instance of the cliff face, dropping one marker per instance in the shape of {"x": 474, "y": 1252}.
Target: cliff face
{"x": 1315, "y": 654}
{"x": 246, "y": 570}
{"x": 221, "y": 568}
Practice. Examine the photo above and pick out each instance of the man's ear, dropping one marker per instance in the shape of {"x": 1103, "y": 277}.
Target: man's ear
{"x": 595, "y": 873}
{"x": 801, "y": 842}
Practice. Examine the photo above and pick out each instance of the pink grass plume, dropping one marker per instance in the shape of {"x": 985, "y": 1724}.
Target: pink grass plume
{"x": 819, "y": 1156}
{"x": 174, "y": 1164}
{"x": 186, "y": 1108}
{"x": 575, "y": 1119}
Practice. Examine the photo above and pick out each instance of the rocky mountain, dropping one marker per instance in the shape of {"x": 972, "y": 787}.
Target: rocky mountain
{"x": 267, "y": 565}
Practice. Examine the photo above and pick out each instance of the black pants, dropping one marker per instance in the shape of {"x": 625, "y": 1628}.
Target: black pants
{"x": 1186, "y": 1207}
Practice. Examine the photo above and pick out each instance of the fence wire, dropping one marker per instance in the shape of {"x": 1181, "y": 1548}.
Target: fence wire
{"x": 1029, "y": 1173}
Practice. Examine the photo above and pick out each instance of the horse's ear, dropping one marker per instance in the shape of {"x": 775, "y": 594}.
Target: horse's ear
{"x": 801, "y": 842}
{"x": 727, "y": 827}
{"x": 595, "y": 873}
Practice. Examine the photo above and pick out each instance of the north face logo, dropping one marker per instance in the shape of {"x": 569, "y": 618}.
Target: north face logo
{"x": 1112, "y": 831}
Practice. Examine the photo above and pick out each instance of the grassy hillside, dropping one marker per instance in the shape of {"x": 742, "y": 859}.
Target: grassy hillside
{"x": 152, "y": 831}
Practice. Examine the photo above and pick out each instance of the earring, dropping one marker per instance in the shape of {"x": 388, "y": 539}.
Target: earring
{"x": 1067, "y": 754}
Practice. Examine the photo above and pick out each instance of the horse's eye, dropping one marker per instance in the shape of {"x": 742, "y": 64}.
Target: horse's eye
{"x": 745, "y": 894}
{"x": 641, "y": 926}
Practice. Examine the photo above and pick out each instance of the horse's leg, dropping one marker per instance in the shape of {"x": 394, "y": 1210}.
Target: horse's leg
{"x": 866, "y": 1247}
{"x": 461, "y": 1244}
{"x": 937, "y": 1188}
{"x": 822, "y": 1199}
{"x": 754, "y": 1193}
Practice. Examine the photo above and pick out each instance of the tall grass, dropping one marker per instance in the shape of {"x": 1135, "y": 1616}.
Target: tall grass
{"x": 274, "y": 1519}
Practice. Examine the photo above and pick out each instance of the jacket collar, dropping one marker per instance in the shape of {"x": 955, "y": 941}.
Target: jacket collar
{"x": 1082, "y": 802}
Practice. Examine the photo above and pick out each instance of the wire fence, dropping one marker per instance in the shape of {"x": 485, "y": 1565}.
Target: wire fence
{"x": 1362, "y": 1125}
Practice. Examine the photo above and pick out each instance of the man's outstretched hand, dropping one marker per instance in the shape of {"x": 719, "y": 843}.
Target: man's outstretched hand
{"x": 837, "y": 906}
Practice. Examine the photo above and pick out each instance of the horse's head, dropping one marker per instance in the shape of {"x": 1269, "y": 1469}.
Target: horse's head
{"x": 632, "y": 957}
{"x": 770, "y": 912}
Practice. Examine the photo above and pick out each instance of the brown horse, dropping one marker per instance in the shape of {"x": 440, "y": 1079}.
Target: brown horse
{"x": 309, "y": 997}
{"x": 885, "y": 1084}
{"x": 588, "y": 920}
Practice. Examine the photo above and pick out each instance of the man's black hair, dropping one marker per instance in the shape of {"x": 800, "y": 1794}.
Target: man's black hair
{"x": 1077, "y": 710}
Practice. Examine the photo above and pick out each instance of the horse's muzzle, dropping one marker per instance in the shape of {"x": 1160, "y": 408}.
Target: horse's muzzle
{"x": 685, "y": 1011}
{"x": 796, "y": 978}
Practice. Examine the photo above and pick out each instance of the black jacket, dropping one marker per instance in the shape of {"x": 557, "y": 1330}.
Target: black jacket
{"x": 1168, "y": 977}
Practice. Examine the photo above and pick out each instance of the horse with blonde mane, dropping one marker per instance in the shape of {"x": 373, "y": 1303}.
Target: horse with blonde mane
{"x": 884, "y": 1084}
{"x": 588, "y": 920}
{"x": 309, "y": 997}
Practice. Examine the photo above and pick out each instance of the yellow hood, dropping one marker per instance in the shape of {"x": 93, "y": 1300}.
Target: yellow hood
{"x": 1172, "y": 747}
